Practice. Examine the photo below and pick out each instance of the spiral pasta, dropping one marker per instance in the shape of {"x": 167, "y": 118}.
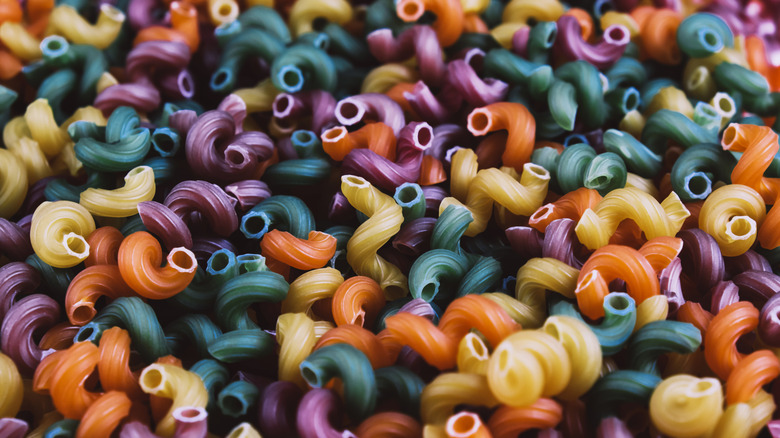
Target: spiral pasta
{"x": 10, "y": 379}
{"x": 122, "y": 202}
{"x": 140, "y": 256}
{"x": 184, "y": 388}
{"x": 58, "y": 232}
{"x": 687, "y": 406}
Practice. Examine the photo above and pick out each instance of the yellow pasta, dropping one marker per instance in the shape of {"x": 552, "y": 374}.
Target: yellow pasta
{"x": 13, "y": 183}
{"x": 434, "y": 431}
{"x": 122, "y": 202}
{"x": 383, "y": 78}
{"x": 304, "y": 12}
{"x": 244, "y": 430}
{"x": 611, "y": 18}
{"x": 44, "y": 129}
{"x": 448, "y": 390}
{"x": 32, "y": 158}
{"x": 259, "y": 98}
{"x": 66, "y": 21}
{"x": 474, "y": 6}
{"x": 671, "y": 98}
{"x": 86, "y": 114}
{"x": 762, "y": 406}
{"x": 518, "y": 13}
{"x": 169, "y": 381}
{"x": 732, "y": 215}
{"x": 655, "y": 308}
{"x": 734, "y": 423}
{"x": 583, "y": 348}
{"x": 597, "y": 225}
{"x": 20, "y": 42}
{"x": 310, "y": 287}
{"x": 633, "y": 123}
{"x": 223, "y": 11}
{"x": 296, "y": 334}
{"x": 67, "y": 161}
{"x": 492, "y": 185}
{"x": 106, "y": 80}
{"x": 58, "y": 232}
{"x": 519, "y": 312}
{"x": 266, "y": 3}
{"x": 539, "y": 275}
{"x": 473, "y": 355}
{"x": 384, "y": 221}
{"x": 463, "y": 170}
{"x": 11, "y": 381}
{"x": 643, "y": 184}
{"x": 725, "y": 106}
{"x": 686, "y": 406}
{"x": 699, "y": 83}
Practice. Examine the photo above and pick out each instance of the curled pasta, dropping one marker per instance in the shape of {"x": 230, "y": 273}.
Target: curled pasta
{"x": 686, "y": 406}
{"x": 539, "y": 275}
{"x": 58, "y": 232}
{"x": 440, "y": 397}
{"x": 183, "y": 387}
{"x": 720, "y": 339}
{"x": 88, "y": 286}
{"x": 65, "y": 20}
{"x": 310, "y": 287}
{"x": 122, "y": 202}
{"x": 733, "y": 215}
{"x": 13, "y": 180}
{"x": 140, "y": 257}
{"x": 357, "y": 301}
{"x": 104, "y": 415}
{"x": 296, "y": 334}
{"x": 11, "y": 381}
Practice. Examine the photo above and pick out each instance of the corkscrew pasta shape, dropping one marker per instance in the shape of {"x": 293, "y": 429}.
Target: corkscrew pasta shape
{"x": 58, "y": 233}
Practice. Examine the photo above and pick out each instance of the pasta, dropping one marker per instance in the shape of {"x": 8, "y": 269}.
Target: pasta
{"x": 183, "y": 387}
{"x": 12, "y": 381}
{"x": 733, "y": 215}
{"x": 123, "y": 202}
{"x": 140, "y": 257}
{"x": 687, "y": 406}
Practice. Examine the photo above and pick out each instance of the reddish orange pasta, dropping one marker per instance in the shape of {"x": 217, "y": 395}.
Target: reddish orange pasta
{"x": 357, "y": 301}
{"x": 661, "y": 251}
{"x": 363, "y": 340}
{"x": 477, "y": 312}
{"x": 68, "y": 384}
{"x": 472, "y": 23}
{"x": 570, "y": 205}
{"x": 658, "y": 33}
{"x": 609, "y": 263}
{"x": 104, "y": 415}
{"x": 10, "y": 65}
{"x": 58, "y": 337}
{"x": 436, "y": 347}
{"x": 184, "y": 28}
{"x": 140, "y": 257}
{"x": 338, "y": 142}
{"x": 692, "y": 313}
{"x": 88, "y": 286}
{"x": 751, "y": 373}
{"x": 44, "y": 372}
{"x": 449, "y": 17}
{"x": 720, "y": 340}
{"x": 114, "y": 363}
{"x": 520, "y": 126}
{"x": 431, "y": 171}
{"x": 289, "y": 250}
{"x": 509, "y": 422}
{"x": 389, "y": 425}
{"x": 10, "y": 10}
{"x": 104, "y": 246}
{"x": 755, "y": 52}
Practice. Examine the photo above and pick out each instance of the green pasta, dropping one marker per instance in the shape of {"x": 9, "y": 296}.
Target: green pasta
{"x": 237, "y": 398}
{"x": 707, "y": 117}
{"x": 286, "y": 213}
{"x": 698, "y": 168}
{"x": 659, "y": 337}
{"x": 627, "y": 72}
{"x": 126, "y": 144}
{"x": 449, "y": 228}
{"x": 250, "y": 263}
{"x": 248, "y": 43}
{"x": 401, "y": 383}
{"x": 411, "y": 199}
{"x": 88, "y": 60}
{"x": 303, "y": 67}
{"x": 621, "y": 101}
{"x": 620, "y": 387}
{"x": 540, "y": 41}
{"x": 481, "y": 277}
{"x": 267, "y": 19}
{"x": 192, "y": 330}
{"x": 616, "y": 327}
{"x": 300, "y": 172}
{"x": 666, "y": 125}
{"x": 737, "y": 79}
{"x": 702, "y": 34}
{"x": 563, "y": 104}
{"x": 239, "y": 345}
{"x": 55, "y": 89}
{"x": 342, "y": 43}
{"x": 605, "y": 173}
{"x": 433, "y": 268}
{"x": 82, "y": 129}
{"x": 62, "y": 429}
{"x": 54, "y": 281}
{"x": 573, "y": 165}
{"x": 166, "y": 141}
{"x": 60, "y": 189}
{"x": 638, "y": 158}
{"x": 214, "y": 376}
{"x": 132, "y": 225}
{"x": 201, "y": 293}
{"x": 590, "y": 94}
{"x": 512, "y": 69}
{"x": 240, "y": 292}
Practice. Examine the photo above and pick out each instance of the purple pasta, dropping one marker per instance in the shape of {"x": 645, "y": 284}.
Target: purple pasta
{"x": 14, "y": 240}
{"x": 340, "y": 210}
{"x": 415, "y": 237}
{"x": 476, "y": 91}
{"x": 28, "y": 315}
{"x": 286, "y": 150}
{"x": 176, "y": 85}
{"x": 520, "y": 41}
{"x": 16, "y": 279}
{"x": 625, "y": 5}
{"x": 559, "y": 242}
{"x": 570, "y": 46}
{"x": 446, "y": 136}
{"x": 769, "y": 322}
{"x": 140, "y": 13}
{"x": 418, "y": 41}
{"x": 433, "y": 197}
{"x": 136, "y": 429}
{"x": 526, "y": 241}
{"x": 35, "y": 195}
{"x": 319, "y": 104}
{"x": 13, "y": 428}
{"x": 141, "y": 97}
{"x": 757, "y": 286}
{"x": 671, "y": 286}
{"x": 413, "y": 140}
{"x": 248, "y": 193}
{"x": 182, "y": 121}
{"x": 549, "y": 433}
{"x": 701, "y": 259}
{"x": 207, "y": 199}
{"x": 319, "y": 409}
{"x": 749, "y": 261}
{"x": 277, "y": 409}
{"x": 419, "y": 307}
{"x": 411, "y": 359}
{"x": 434, "y": 109}
{"x": 774, "y": 428}
{"x": 236, "y": 107}
{"x": 723, "y": 294}
{"x": 354, "y": 109}
{"x": 165, "y": 224}
{"x": 148, "y": 57}
{"x": 215, "y": 151}
{"x": 612, "y": 427}
{"x": 191, "y": 422}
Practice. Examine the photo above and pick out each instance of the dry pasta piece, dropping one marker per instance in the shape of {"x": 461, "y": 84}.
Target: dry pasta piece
{"x": 184, "y": 27}
{"x": 90, "y": 285}
{"x": 751, "y": 373}
{"x": 68, "y": 384}
{"x": 104, "y": 246}
{"x": 475, "y": 312}
{"x": 658, "y": 33}
{"x": 733, "y": 214}
{"x": 435, "y": 346}
{"x": 357, "y": 301}
{"x": 571, "y": 205}
{"x": 661, "y": 251}
{"x": 338, "y": 142}
{"x": 58, "y": 232}
{"x": 11, "y": 382}
{"x": 183, "y": 387}
{"x": 114, "y": 363}
{"x": 449, "y": 17}
{"x": 140, "y": 257}
{"x": 720, "y": 340}
{"x": 104, "y": 415}
{"x": 370, "y": 344}
{"x": 508, "y": 422}
{"x": 466, "y": 424}
{"x": 519, "y": 123}
{"x": 289, "y": 250}
{"x": 389, "y": 425}
{"x": 297, "y": 335}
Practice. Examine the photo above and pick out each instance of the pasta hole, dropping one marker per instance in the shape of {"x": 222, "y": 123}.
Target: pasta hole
{"x": 408, "y": 194}
{"x": 221, "y": 78}
{"x": 185, "y": 85}
{"x": 310, "y": 376}
{"x": 190, "y": 413}
{"x": 255, "y": 224}
{"x": 349, "y": 110}
{"x": 537, "y": 170}
{"x": 76, "y": 245}
{"x": 225, "y": 10}
{"x": 631, "y": 100}
{"x": 741, "y": 227}
{"x": 219, "y": 261}
{"x": 334, "y": 134}
{"x": 234, "y": 156}
{"x": 282, "y": 104}
{"x": 618, "y": 34}
{"x": 725, "y": 105}
{"x": 479, "y": 122}
{"x": 303, "y": 137}
{"x": 233, "y": 404}
{"x": 182, "y": 259}
{"x": 411, "y": 10}
{"x": 699, "y": 185}
{"x": 619, "y": 302}
{"x": 730, "y": 135}
{"x": 463, "y": 424}
{"x": 503, "y": 360}
{"x": 153, "y": 378}
{"x": 163, "y": 142}
{"x": 477, "y": 346}
{"x": 359, "y": 321}
{"x": 424, "y": 136}
{"x": 292, "y": 77}
{"x": 711, "y": 38}
{"x": 429, "y": 291}
{"x": 394, "y": 291}
{"x": 83, "y": 314}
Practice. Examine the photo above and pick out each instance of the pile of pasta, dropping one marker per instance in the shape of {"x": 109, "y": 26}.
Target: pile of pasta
{"x": 397, "y": 218}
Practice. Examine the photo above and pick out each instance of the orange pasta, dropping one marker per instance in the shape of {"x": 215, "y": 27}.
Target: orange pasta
{"x": 377, "y": 137}
{"x": 10, "y": 65}
{"x": 357, "y": 301}
{"x": 609, "y": 263}
{"x": 103, "y": 246}
{"x": 584, "y": 19}
{"x": 477, "y": 312}
{"x": 751, "y": 373}
{"x": 472, "y": 23}
{"x": 363, "y": 340}
{"x": 520, "y": 126}
{"x": 466, "y": 424}
{"x": 44, "y": 372}
{"x": 426, "y": 339}
{"x": 431, "y": 171}
{"x": 449, "y": 17}
{"x": 68, "y": 384}
{"x": 755, "y": 52}
{"x": 104, "y": 415}
{"x": 184, "y": 28}
{"x": 720, "y": 339}
{"x": 88, "y": 286}
{"x": 298, "y": 253}
{"x": 58, "y": 337}
{"x": 38, "y": 10}
{"x": 570, "y": 205}
{"x": 140, "y": 257}
{"x": 114, "y": 363}
{"x": 658, "y": 33}
{"x": 509, "y": 422}
{"x": 661, "y": 251}
{"x": 692, "y": 313}
{"x": 396, "y": 93}
{"x": 10, "y": 10}
{"x": 389, "y": 425}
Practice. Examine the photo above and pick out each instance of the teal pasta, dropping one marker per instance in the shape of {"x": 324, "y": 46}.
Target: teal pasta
{"x": 192, "y": 330}
{"x": 706, "y": 116}
{"x": 286, "y": 213}
{"x": 60, "y": 189}
{"x": 87, "y": 60}
{"x": 638, "y": 158}
{"x": 737, "y": 79}
{"x": 237, "y": 398}
{"x": 620, "y": 101}
{"x": 62, "y": 429}
{"x": 433, "y": 269}
{"x": 401, "y": 383}
{"x": 342, "y": 43}
{"x": 480, "y": 278}
{"x": 616, "y": 327}
{"x": 411, "y": 199}
{"x": 125, "y": 146}
{"x": 703, "y": 34}
{"x": 659, "y": 337}
{"x": 354, "y": 369}
{"x": 698, "y": 169}
{"x": 627, "y": 72}
{"x": 580, "y": 166}
{"x": 450, "y": 227}
{"x": 248, "y": 43}
{"x": 239, "y": 293}
{"x": 54, "y": 281}
{"x": 584, "y": 94}
{"x": 250, "y": 263}
{"x": 166, "y": 141}
{"x": 238, "y": 345}
{"x": 214, "y": 376}
{"x": 512, "y": 69}
{"x": 665, "y": 125}
{"x": 201, "y": 293}
{"x": 541, "y": 39}
{"x": 55, "y": 88}
{"x": 605, "y": 173}
{"x": 298, "y": 172}
{"x": 266, "y": 19}
{"x": 620, "y": 387}
{"x": 303, "y": 67}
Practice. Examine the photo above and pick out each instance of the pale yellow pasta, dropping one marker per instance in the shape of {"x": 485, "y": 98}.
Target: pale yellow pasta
{"x": 474, "y": 6}
{"x": 596, "y": 226}
{"x": 671, "y": 98}
{"x": 13, "y": 183}
{"x": 185, "y": 388}
{"x": 223, "y": 11}
{"x": 518, "y": 13}
{"x": 611, "y": 18}
{"x": 44, "y": 129}
{"x": 259, "y": 98}
{"x": 15, "y": 130}
{"x": 383, "y": 78}
{"x": 699, "y": 83}
{"x": 686, "y": 406}
{"x": 310, "y": 287}
{"x": 244, "y": 430}
{"x": 762, "y": 406}
{"x": 539, "y": 275}
{"x": 448, "y": 390}
{"x": 734, "y": 423}
{"x": 296, "y": 335}
{"x": 519, "y": 312}
{"x": 584, "y": 350}
{"x": 434, "y": 431}
{"x": 58, "y": 232}
{"x": 643, "y": 184}
{"x": 20, "y": 42}
{"x": 473, "y": 355}
{"x": 11, "y": 381}
{"x": 655, "y": 308}
{"x": 32, "y": 158}
{"x": 122, "y": 202}
{"x": 304, "y": 12}
{"x": 725, "y": 107}
{"x": 463, "y": 170}
{"x": 266, "y": 3}
{"x": 633, "y": 123}
{"x": 66, "y": 21}
{"x": 732, "y": 215}
{"x": 384, "y": 221}
{"x": 86, "y": 114}
{"x": 67, "y": 162}
{"x": 492, "y": 185}
{"x": 106, "y": 80}
{"x": 277, "y": 130}
{"x": 527, "y": 365}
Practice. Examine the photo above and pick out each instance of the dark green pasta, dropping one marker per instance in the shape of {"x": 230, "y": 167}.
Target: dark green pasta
{"x": 242, "y": 291}
{"x": 201, "y": 293}
{"x": 54, "y": 281}
{"x": 621, "y": 101}
{"x": 88, "y": 60}
{"x": 627, "y": 72}
{"x": 605, "y": 173}
{"x": 665, "y": 125}
{"x": 411, "y": 199}
{"x": 638, "y": 158}
{"x": 237, "y": 398}
{"x": 449, "y": 228}
{"x": 660, "y": 337}
{"x": 616, "y": 327}
{"x": 192, "y": 330}
{"x": 618, "y": 388}
{"x": 125, "y": 146}
{"x": 401, "y": 383}
{"x": 62, "y": 429}
{"x": 82, "y": 129}
{"x": 267, "y": 19}
{"x": 241, "y": 345}
{"x": 248, "y": 43}
{"x": 433, "y": 268}
{"x": 286, "y": 213}
{"x": 300, "y": 172}
{"x": 250, "y": 263}
{"x": 590, "y": 97}
{"x": 132, "y": 225}
{"x": 55, "y": 89}
{"x": 512, "y": 69}
{"x": 540, "y": 41}
{"x": 342, "y": 233}
{"x": 698, "y": 168}
{"x": 164, "y": 168}
{"x": 563, "y": 104}
{"x": 737, "y": 79}
{"x": 61, "y": 190}
{"x": 573, "y": 165}
{"x": 214, "y": 376}
{"x": 381, "y": 14}
{"x": 481, "y": 277}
